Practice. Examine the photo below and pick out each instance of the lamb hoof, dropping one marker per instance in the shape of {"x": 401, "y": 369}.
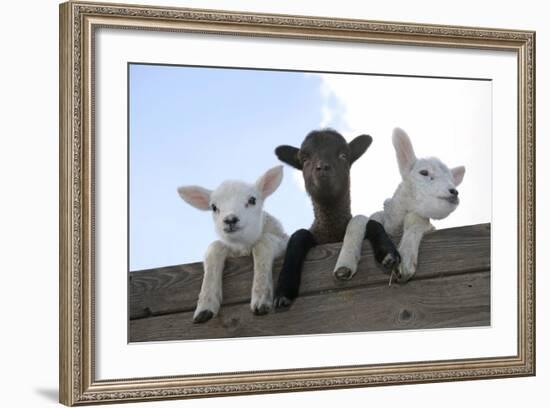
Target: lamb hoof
{"x": 343, "y": 273}
{"x": 203, "y": 316}
{"x": 282, "y": 303}
{"x": 401, "y": 275}
{"x": 402, "y": 278}
{"x": 391, "y": 260}
{"x": 261, "y": 310}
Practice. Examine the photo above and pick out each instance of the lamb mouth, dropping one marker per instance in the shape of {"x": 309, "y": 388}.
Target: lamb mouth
{"x": 451, "y": 199}
{"x": 231, "y": 230}
{"x": 323, "y": 181}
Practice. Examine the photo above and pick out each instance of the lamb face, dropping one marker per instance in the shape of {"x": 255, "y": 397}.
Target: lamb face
{"x": 434, "y": 188}
{"x": 237, "y": 210}
{"x": 325, "y": 159}
{"x": 325, "y": 166}
{"x": 237, "y": 207}
{"x": 429, "y": 186}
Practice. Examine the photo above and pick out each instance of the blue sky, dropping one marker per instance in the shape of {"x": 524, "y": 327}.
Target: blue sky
{"x": 201, "y": 126}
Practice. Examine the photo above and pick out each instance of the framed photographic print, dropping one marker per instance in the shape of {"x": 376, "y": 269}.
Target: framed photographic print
{"x": 259, "y": 203}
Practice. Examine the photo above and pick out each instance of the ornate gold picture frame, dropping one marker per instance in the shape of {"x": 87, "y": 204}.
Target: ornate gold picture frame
{"x": 79, "y": 22}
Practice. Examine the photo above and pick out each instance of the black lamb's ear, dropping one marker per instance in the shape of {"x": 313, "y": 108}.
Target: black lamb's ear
{"x": 289, "y": 155}
{"x": 358, "y": 146}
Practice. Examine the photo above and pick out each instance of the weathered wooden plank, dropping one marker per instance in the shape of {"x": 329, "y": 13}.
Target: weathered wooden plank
{"x": 175, "y": 289}
{"x": 440, "y": 302}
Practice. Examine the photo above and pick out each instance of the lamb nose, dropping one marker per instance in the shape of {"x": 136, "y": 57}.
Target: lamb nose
{"x": 453, "y": 192}
{"x": 322, "y": 166}
{"x": 231, "y": 220}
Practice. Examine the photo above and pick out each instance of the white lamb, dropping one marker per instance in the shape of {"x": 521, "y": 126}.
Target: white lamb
{"x": 428, "y": 191}
{"x": 244, "y": 229}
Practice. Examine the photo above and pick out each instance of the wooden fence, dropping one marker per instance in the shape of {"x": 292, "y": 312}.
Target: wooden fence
{"x": 451, "y": 289}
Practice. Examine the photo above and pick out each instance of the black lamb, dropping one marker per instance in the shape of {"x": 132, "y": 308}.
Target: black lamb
{"x": 325, "y": 159}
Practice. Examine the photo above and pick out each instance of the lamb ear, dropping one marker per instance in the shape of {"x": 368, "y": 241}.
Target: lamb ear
{"x": 197, "y": 196}
{"x": 358, "y": 146}
{"x": 270, "y": 181}
{"x": 458, "y": 174}
{"x": 404, "y": 151}
{"x": 289, "y": 155}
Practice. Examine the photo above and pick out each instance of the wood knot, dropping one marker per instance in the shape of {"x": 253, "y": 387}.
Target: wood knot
{"x": 405, "y": 315}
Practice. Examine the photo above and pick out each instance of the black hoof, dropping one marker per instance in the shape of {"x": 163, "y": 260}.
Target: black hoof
{"x": 391, "y": 260}
{"x": 203, "y": 316}
{"x": 343, "y": 273}
{"x": 261, "y": 310}
{"x": 282, "y": 303}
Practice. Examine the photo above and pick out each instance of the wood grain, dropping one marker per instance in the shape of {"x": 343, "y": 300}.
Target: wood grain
{"x": 175, "y": 289}
{"x": 442, "y": 302}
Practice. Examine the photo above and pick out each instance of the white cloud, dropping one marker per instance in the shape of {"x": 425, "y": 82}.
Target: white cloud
{"x": 450, "y": 119}
{"x": 299, "y": 179}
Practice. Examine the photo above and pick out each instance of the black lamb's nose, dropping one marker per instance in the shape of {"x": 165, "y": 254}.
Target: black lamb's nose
{"x": 453, "y": 191}
{"x": 322, "y": 166}
{"x": 231, "y": 220}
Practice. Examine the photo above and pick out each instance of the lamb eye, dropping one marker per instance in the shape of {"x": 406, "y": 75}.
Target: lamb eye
{"x": 252, "y": 201}
{"x": 214, "y": 208}
{"x": 343, "y": 156}
{"x": 424, "y": 172}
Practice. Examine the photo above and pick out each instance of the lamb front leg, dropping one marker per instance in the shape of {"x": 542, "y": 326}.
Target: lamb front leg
{"x": 350, "y": 253}
{"x": 264, "y": 252}
{"x": 210, "y": 297}
{"x": 414, "y": 229}
{"x": 288, "y": 284}
{"x": 383, "y": 247}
